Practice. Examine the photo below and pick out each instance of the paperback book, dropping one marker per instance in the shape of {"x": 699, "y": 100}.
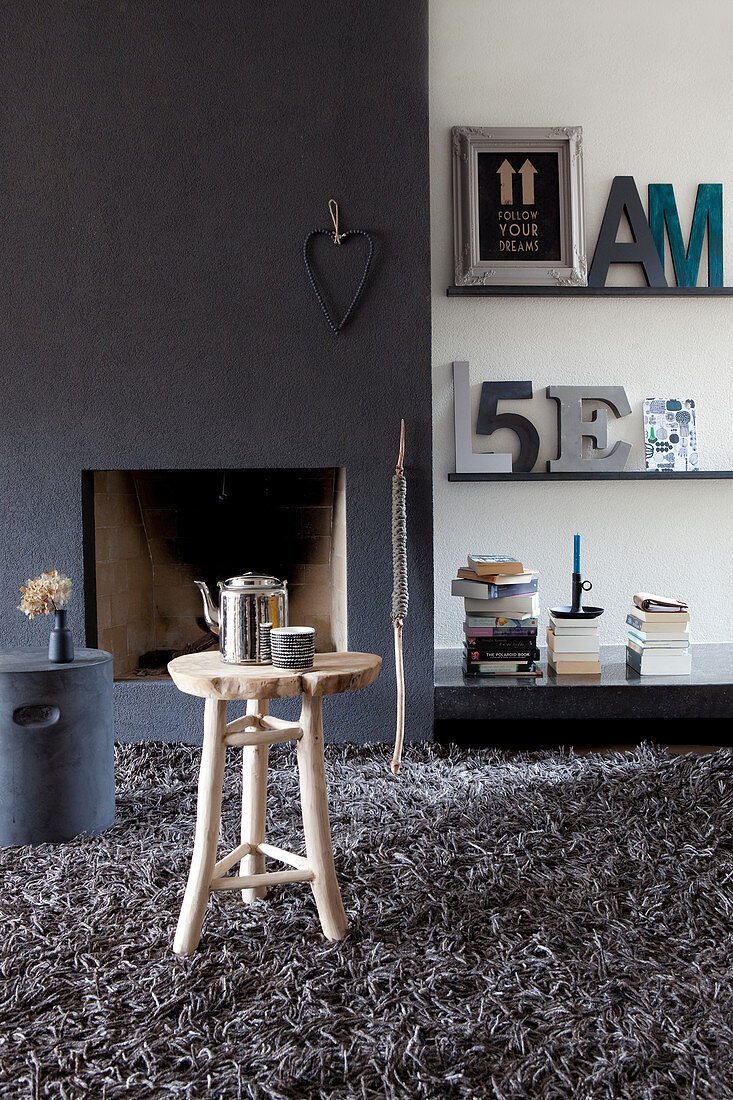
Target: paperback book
{"x": 484, "y": 563}
{"x": 494, "y": 668}
{"x": 665, "y": 641}
{"x": 506, "y": 653}
{"x": 656, "y": 623}
{"x": 659, "y": 664}
{"x": 495, "y": 578}
{"x": 507, "y": 605}
{"x": 488, "y": 591}
{"x": 501, "y": 622}
{"x": 477, "y": 634}
{"x": 573, "y": 642}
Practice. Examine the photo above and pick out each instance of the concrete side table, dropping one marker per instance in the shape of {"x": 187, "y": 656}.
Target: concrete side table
{"x": 56, "y": 746}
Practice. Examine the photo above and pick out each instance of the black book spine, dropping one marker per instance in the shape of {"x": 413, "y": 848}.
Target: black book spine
{"x": 476, "y": 670}
{"x": 523, "y": 660}
{"x": 633, "y": 659}
{"x": 516, "y": 653}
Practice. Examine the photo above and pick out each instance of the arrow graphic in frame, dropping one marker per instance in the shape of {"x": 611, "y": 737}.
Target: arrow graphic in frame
{"x": 528, "y": 173}
{"x": 505, "y": 172}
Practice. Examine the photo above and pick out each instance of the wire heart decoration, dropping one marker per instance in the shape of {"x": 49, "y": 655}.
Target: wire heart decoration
{"x": 337, "y": 238}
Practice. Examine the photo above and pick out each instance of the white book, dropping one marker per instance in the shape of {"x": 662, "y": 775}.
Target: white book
{"x": 571, "y": 658}
{"x": 660, "y": 664}
{"x": 669, "y": 646}
{"x": 641, "y": 650}
{"x": 670, "y": 617}
{"x": 573, "y": 626}
{"x": 646, "y": 636}
{"x": 483, "y": 591}
{"x": 516, "y": 578}
{"x": 684, "y": 668}
{"x": 505, "y": 578}
{"x": 573, "y": 643}
{"x": 503, "y": 605}
{"x": 579, "y": 667}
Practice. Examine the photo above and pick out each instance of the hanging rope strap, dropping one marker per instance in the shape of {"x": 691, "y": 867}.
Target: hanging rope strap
{"x": 400, "y": 595}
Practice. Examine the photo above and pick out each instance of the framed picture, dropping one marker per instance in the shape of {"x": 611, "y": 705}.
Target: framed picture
{"x": 518, "y": 206}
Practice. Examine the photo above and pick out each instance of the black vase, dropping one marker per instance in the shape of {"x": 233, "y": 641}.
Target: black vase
{"x": 60, "y": 642}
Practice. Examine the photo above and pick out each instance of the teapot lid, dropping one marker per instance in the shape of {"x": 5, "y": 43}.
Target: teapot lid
{"x": 252, "y": 581}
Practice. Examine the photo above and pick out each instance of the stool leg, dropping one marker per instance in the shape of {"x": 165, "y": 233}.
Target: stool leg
{"x": 314, "y": 800}
{"x": 206, "y": 839}
{"x": 254, "y": 803}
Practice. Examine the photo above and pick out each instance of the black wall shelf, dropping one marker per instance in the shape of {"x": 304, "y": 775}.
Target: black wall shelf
{"x": 590, "y": 291}
{"x": 624, "y": 475}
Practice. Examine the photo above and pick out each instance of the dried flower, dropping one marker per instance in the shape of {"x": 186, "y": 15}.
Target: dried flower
{"x": 47, "y": 593}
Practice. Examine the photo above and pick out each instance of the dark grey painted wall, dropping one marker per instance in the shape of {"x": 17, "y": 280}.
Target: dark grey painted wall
{"x": 161, "y": 166}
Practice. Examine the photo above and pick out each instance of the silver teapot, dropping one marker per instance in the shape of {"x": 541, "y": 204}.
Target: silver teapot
{"x": 245, "y": 604}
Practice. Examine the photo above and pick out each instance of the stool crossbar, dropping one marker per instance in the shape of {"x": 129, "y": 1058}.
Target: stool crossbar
{"x": 205, "y": 675}
{"x": 256, "y": 729}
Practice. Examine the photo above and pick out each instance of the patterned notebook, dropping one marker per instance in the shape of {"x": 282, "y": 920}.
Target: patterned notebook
{"x": 670, "y": 434}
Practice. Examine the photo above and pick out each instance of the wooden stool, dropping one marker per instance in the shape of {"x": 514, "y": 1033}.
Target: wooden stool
{"x": 206, "y": 675}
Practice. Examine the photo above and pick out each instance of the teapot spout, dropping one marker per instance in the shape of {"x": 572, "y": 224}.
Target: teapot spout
{"x": 211, "y": 613}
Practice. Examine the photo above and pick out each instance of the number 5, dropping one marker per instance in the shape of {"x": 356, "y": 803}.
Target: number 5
{"x": 489, "y": 421}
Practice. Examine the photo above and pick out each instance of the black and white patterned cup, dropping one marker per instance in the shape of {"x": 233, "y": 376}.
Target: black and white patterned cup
{"x": 293, "y": 647}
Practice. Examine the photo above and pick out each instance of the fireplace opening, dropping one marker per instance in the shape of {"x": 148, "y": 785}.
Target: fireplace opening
{"x": 149, "y": 534}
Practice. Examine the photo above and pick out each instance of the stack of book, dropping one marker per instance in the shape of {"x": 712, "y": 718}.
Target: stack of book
{"x": 659, "y": 637}
{"x": 501, "y": 603}
{"x": 573, "y": 647}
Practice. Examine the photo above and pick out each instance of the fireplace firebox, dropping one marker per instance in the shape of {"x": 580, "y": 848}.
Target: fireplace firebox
{"x": 149, "y": 534}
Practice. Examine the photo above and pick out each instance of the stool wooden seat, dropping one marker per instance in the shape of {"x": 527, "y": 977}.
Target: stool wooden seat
{"x": 206, "y": 675}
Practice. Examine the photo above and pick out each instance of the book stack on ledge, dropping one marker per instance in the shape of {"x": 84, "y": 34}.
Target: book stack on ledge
{"x": 659, "y": 636}
{"x": 573, "y": 647}
{"x": 501, "y": 603}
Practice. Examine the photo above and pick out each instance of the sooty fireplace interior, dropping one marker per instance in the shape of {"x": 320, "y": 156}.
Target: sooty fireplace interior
{"x": 149, "y": 534}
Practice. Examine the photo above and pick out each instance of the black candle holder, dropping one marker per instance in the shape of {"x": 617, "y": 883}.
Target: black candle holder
{"x": 576, "y": 610}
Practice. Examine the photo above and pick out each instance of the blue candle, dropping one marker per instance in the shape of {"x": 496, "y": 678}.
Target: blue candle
{"x": 576, "y": 553}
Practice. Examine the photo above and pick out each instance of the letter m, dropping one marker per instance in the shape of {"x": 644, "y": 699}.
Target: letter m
{"x": 708, "y": 212}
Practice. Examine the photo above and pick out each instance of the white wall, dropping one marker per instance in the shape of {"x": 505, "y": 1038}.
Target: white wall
{"x": 649, "y": 81}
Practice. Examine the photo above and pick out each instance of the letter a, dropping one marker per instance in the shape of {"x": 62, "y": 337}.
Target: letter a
{"x": 624, "y": 199}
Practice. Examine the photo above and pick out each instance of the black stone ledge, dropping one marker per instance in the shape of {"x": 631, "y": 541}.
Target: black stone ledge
{"x": 617, "y": 693}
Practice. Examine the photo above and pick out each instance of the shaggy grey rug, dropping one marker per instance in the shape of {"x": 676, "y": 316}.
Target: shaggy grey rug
{"x": 538, "y": 926}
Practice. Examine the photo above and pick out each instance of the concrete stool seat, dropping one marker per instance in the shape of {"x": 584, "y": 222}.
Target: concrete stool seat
{"x": 57, "y": 768}
{"x": 206, "y": 675}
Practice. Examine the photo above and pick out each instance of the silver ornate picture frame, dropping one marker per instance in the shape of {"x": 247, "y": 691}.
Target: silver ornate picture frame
{"x": 518, "y": 206}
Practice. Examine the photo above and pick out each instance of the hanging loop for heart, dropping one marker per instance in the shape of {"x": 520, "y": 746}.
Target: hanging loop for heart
{"x": 333, "y": 208}
{"x": 337, "y": 237}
